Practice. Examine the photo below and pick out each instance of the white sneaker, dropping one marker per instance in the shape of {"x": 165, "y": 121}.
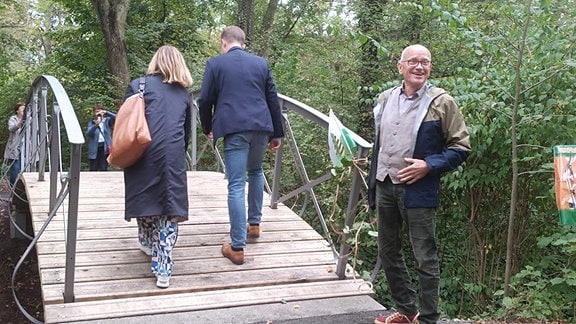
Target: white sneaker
{"x": 145, "y": 249}
{"x": 162, "y": 281}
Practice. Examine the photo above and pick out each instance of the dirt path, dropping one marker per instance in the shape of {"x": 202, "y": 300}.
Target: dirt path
{"x": 27, "y": 278}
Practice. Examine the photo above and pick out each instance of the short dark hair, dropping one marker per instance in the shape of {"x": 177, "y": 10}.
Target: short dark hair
{"x": 18, "y": 105}
{"x": 98, "y": 106}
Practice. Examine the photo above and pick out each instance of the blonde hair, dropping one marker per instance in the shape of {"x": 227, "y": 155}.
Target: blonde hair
{"x": 169, "y": 62}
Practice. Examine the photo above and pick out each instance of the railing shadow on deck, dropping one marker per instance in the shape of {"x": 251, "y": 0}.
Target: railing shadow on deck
{"x": 49, "y": 115}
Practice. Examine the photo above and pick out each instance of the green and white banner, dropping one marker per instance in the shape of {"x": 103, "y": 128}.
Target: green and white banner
{"x": 342, "y": 146}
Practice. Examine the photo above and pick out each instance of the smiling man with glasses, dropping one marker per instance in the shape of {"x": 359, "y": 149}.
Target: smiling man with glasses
{"x": 425, "y": 63}
{"x": 420, "y": 135}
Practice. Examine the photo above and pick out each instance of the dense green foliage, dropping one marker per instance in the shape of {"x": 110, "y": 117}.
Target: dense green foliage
{"x": 506, "y": 63}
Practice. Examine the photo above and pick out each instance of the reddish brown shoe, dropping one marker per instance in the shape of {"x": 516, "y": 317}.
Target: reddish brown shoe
{"x": 237, "y": 257}
{"x": 397, "y": 318}
{"x": 253, "y": 231}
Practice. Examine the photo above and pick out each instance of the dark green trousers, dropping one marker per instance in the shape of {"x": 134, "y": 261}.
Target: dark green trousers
{"x": 421, "y": 228}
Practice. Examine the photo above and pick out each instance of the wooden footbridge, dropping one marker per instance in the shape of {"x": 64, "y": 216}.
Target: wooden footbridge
{"x": 91, "y": 268}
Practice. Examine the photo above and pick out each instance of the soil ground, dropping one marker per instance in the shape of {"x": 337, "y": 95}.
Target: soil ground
{"x": 27, "y": 280}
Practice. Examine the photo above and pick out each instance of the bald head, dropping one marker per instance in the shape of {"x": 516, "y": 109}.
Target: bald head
{"x": 415, "y": 65}
{"x": 415, "y": 48}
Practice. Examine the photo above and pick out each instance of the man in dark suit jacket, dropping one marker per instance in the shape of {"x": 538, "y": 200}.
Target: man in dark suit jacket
{"x": 238, "y": 101}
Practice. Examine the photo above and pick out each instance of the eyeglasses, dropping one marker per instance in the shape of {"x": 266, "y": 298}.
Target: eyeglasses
{"x": 424, "y": 63}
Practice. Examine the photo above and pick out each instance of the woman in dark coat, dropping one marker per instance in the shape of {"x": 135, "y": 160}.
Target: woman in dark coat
{"x": 156, "y": 186}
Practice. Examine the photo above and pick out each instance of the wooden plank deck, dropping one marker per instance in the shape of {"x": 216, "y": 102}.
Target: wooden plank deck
{"x": 290, "y": 262}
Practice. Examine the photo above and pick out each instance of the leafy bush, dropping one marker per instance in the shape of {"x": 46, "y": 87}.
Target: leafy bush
{"x": 545, "y": 290}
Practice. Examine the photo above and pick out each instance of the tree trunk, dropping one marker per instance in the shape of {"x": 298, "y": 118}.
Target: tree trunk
{"x": 369, "y": 14}
{"x": 267, "y": 23}
{"x": 112, "y": 17}
{"x": 246, "y": 18}
{"x": 511, "y": 244}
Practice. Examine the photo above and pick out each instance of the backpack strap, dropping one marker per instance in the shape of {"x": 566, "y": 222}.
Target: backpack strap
{"x": 141, "y": 85}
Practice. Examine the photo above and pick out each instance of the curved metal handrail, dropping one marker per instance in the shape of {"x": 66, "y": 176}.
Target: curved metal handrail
{"x": 42, "y": 144}
{"x": 48, "y": 107}
{"x": 363, "y": 149}
{"x": 290, "y": 105}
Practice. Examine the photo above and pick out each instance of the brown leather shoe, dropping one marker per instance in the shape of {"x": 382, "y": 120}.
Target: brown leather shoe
{"x": 253, "y": 231}
{"x": 237, "y": 257}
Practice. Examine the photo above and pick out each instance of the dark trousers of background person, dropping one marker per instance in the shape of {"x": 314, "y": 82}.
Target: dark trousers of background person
{"x": 14, "y": 170}
{"x": 100, "y": 163}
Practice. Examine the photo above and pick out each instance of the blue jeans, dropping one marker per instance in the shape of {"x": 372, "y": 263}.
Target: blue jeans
{"x": 14, "y": 171}
{"x": 243, "y": 153}
{"x": 421, "y": 225}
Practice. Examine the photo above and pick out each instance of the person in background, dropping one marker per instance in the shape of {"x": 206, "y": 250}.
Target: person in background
{"x": 156, "y": 187}
{"x": 99, "y": 132}
{"x": 13, "y": 146}
{"x": 238, "y": 102}
{"x": 420, "y": 134}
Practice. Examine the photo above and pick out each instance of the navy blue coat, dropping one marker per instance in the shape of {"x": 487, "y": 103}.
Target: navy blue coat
{"x": 238, "y": 94}
{"x": 157, "y": 183}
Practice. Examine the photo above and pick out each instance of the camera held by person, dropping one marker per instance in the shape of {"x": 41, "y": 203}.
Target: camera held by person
{"x": 99, "y": 118}
{"x": 99, "y": 132}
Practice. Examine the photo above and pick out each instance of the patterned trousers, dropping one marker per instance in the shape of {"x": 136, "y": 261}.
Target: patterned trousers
{"x": 159, "y": 233}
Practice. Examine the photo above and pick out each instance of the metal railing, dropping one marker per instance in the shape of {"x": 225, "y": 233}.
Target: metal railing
{"x": 48, "y": 109}
{"x": 291, "y": 106}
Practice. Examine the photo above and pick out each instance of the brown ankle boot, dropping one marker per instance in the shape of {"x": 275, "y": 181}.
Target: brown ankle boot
{"x": 237, "y": 257}
{"x": 253, "y": 231}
